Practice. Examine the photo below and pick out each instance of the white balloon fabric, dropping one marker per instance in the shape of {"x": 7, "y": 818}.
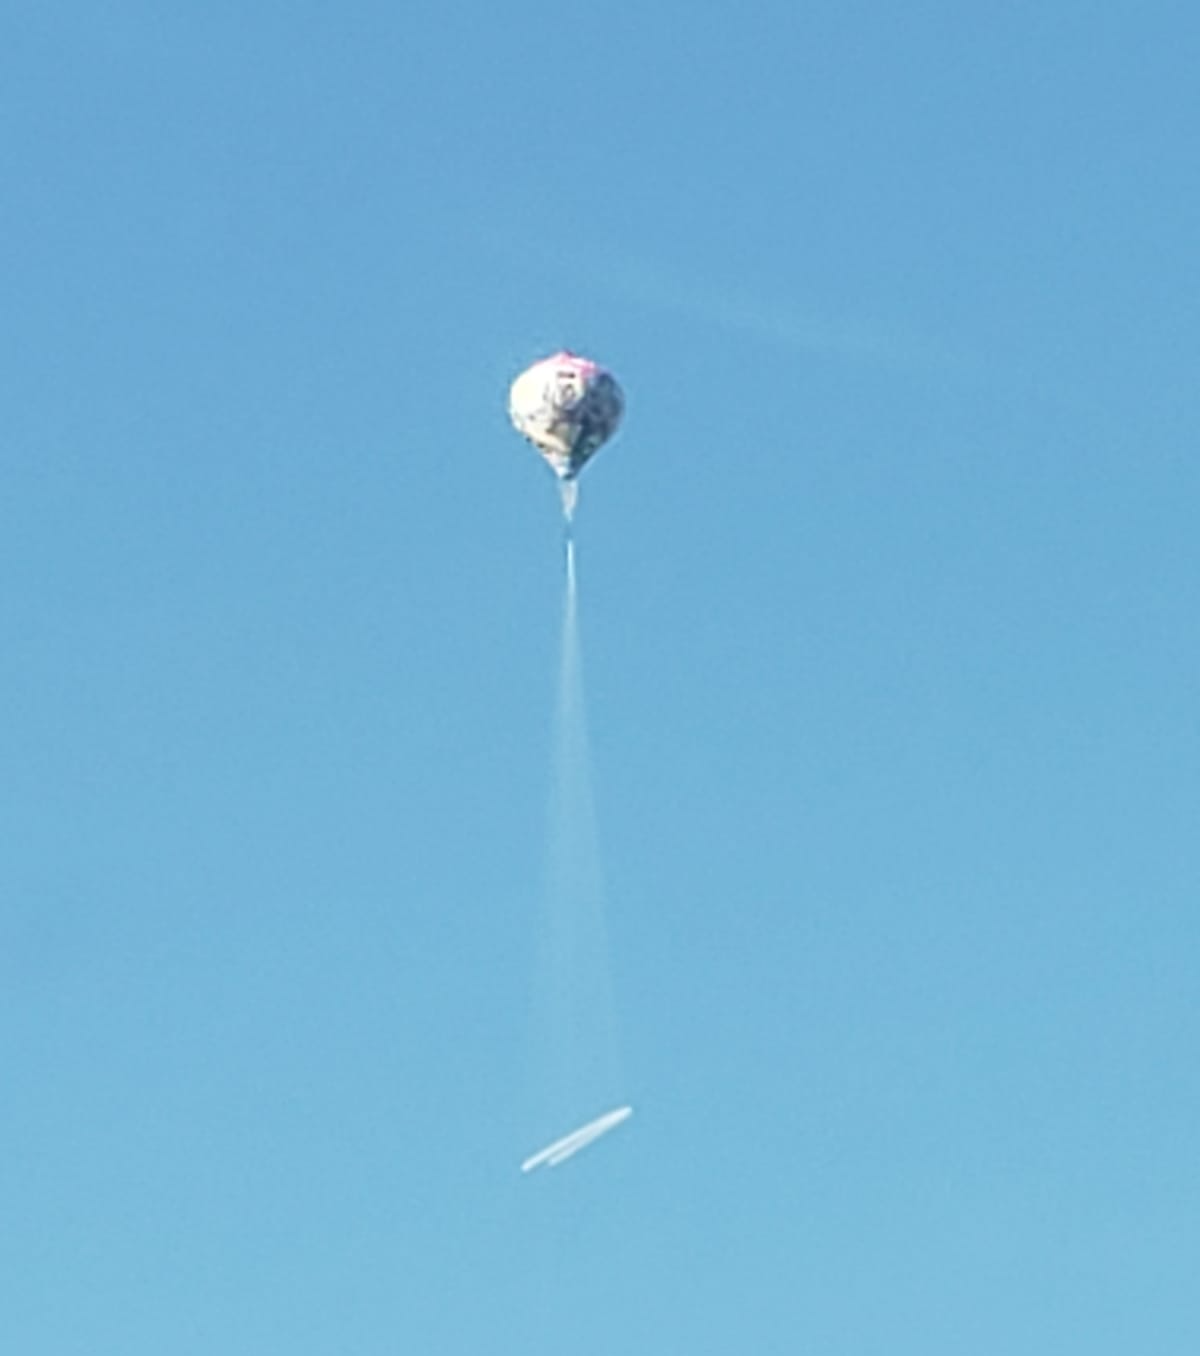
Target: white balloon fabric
{"x": 567, "y": 406}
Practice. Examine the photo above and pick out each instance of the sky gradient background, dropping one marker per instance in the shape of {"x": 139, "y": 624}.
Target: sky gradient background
{"x": 889, "y": 591}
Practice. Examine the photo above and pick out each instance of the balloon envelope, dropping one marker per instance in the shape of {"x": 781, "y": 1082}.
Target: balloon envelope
{"x": 567, "y": 406}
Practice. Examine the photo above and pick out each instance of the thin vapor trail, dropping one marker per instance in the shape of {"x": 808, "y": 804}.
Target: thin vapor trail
{"x": 577, "y": 1017}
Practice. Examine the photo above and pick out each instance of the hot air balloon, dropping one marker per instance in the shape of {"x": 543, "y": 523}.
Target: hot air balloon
{"x": 568, "y": 407}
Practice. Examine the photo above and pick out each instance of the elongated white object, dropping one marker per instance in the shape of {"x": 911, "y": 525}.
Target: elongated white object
{"x": 564, "y": 1148}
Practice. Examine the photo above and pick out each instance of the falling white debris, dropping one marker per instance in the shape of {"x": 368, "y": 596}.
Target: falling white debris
{"x": 564, "y": 1148}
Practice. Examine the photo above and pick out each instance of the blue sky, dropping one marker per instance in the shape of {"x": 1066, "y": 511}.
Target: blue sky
{"x": 888, "y": 600}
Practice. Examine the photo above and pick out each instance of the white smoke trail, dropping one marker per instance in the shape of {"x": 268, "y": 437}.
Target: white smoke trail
{"x": 577, "y": 1018}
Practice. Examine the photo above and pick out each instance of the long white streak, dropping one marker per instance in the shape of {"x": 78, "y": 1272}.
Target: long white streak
{"x": 564, "y": 1148}
{"x": 575, "y": 1012}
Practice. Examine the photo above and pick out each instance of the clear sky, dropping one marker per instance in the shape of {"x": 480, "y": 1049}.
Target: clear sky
{"x": 889, "y": 594}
